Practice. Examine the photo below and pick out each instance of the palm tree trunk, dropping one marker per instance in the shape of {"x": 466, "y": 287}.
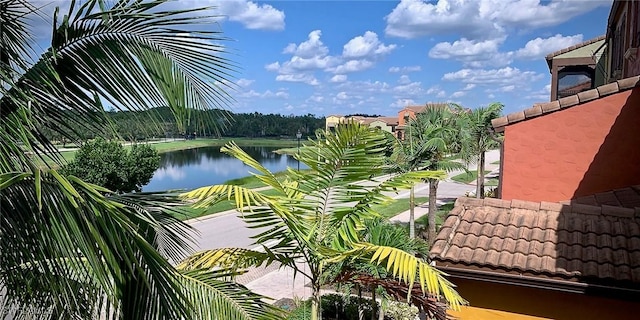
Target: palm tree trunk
{"x": 480, "y": 182}
{"x": 360, "y": 306}
{"x": 374, "y": 303}
{"x": 412, "y": 220}
{"x": 316, "y": 312}
{"x": 433, "y": 190}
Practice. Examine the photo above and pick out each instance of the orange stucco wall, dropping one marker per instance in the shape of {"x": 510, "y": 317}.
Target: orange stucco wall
{"x": 493, "y": 301}
{"x": 405, "y": 112}
{"x": 582, "y": 150}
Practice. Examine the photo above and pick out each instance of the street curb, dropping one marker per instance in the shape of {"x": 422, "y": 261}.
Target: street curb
{"x": 211, "y": 216}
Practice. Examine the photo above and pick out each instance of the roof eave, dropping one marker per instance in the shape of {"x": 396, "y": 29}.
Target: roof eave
{"x": 540, "y": 283}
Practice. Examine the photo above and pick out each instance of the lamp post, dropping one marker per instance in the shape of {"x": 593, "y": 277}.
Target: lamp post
{"x": 298, "y": 136}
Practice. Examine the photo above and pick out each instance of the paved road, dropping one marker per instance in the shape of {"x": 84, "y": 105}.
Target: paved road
{"x": 228, "y": 230}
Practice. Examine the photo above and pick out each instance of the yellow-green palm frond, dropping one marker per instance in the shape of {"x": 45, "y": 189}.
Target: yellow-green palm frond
{"x": 226, "y": 258}
{"x": 266, "y": 176}
{"x": 408, "y": 269}
{"x": 243, "y": 197}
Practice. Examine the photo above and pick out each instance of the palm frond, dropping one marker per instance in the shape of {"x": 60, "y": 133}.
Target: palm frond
{"x": 212, "y": 298}
{"x": 77, "y": 226}
{"x": 408, "y": 269}
{"x": 97, "y": 52}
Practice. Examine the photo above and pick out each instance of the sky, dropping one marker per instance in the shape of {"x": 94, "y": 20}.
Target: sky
{"x": 377, "y": 57}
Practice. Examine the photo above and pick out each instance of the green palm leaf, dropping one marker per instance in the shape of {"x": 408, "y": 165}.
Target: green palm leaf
{"x": 319, "y": 215}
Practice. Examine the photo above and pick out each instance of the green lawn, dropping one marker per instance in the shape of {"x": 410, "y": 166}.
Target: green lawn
{"x": 466, "y": 177}
{"x": 397, "y": 207}
{"x": 243, "y": 142}
{"x": 496, "y": 162}
{"x": 441, "y": 214}
{"x": 387, "y": 211}
{"x": 198, "y": 143}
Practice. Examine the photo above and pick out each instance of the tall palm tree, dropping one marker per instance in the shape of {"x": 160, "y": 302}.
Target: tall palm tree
{"x": 478, "y": 138}
{"x": 69, "y": 249}
{"x": 404, "y": 158}
{"x": 434, "y": 133}
{"x": 317, "y": 215}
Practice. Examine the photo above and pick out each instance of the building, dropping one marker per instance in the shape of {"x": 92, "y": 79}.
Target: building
{"x": 387, "y": 124}
{"x": 410, "y": 112}
{"x": 578, "y": 68}
{"x": 563, "y": 239}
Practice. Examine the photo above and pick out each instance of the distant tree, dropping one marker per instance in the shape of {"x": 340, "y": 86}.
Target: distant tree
{"x": 433, "y": 134}
{"x": 109, "y": 164}
{"x": 477, "y": 138}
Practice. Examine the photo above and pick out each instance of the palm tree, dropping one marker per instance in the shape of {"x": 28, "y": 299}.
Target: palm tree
{"x": 478, "y": 138}
{"x": 403, "y": 158}
{"x": 70, "y": 249}
{"x": 434, "y": 132}
{"x": 317, "y": 215}
{"x": 371, "y": 276}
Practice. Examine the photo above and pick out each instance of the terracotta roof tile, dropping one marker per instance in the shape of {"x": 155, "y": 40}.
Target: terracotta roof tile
{"x": 588, "y": 95}
{"x": 566, "y": 102}
{"x": 608, "y": 89}
{"x": 580, "y": 243}
{"x": 533, "y": 111}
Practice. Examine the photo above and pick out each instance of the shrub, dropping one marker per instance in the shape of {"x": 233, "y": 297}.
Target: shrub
{"x": 109, "y": 164}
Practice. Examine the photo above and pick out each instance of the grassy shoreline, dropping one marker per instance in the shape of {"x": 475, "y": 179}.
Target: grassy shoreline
{"x": 176, "y": 145}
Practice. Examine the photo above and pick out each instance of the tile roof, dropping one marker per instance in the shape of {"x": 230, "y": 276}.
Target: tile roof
{"x": 418, "y": 109}
{"x": 574, "y": 242}
{"x": 570, "y": 101}
{"x": 575, "y": 46}
{"x": 625, "y": 197}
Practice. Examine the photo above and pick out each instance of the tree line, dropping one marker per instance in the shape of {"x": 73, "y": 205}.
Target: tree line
{"x": 157, "y": 123}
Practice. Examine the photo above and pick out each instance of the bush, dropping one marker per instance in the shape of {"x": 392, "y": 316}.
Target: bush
{"x": 400, "y": 311}
{"x": 301, "y": 312}
{"x": 337, "y": 306}
{"x": 109, "y": 164}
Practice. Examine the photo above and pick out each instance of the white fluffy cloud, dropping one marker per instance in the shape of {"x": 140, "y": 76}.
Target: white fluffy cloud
{"x": 539, "y": 47}
{"x": 267, "y": 94}
{"x": 313, "y": 47}
{"x": 339, "y": 78}
{"x": 406, "y": 69}
{"x": 480, "y": 19}
{"x": 402, "y": 103}
{"x": 414, "y": 18}
{"x": 251, "y": 14}
{"x": 304, "y": 78}
{"x": 473, "y": 53}
{"x": 437, "y": 92}
{"x": 458, "y": 94}
{"x": 366, "y": 46}
{"x": 361, "y": 53}
{"x": 244, "y": 82}
{"x": 503, "y": 76}
{"x": 310, "y": 56}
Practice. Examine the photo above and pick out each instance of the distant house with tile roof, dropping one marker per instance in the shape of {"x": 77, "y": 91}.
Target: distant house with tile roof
{"x": 388, "y": 124}
{"x": 410, "y": 112}
{"x": 563, "y": 240}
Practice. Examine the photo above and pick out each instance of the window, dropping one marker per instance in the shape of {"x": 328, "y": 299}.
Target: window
{"x": 572, "y": 80}
{"x": 617, "y": 50}
{"x": 636, "y": 36}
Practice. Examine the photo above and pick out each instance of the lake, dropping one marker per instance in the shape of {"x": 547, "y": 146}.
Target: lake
{"x": 193, "y": 168}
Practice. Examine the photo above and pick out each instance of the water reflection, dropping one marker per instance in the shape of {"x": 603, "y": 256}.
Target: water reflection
{"x": 193, "y": 168}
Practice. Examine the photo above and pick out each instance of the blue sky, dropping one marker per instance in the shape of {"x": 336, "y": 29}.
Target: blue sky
{"x": 375, "y": 57}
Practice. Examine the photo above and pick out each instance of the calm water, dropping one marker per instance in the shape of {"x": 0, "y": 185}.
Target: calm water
{"x": 193, "y": 168}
